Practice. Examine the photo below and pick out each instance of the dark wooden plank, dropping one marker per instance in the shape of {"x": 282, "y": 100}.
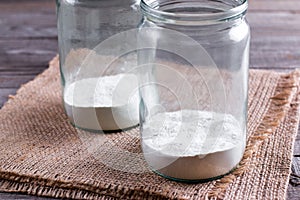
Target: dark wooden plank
{"x": 14, "y": 81}
{"x": 296, "y": 165}
{"x": 31, "y": 68}
{"x": 297, "y": 149}
{"x": 27, "y": 52}
{"x": 275, "y": 40}
{"x": 293, "y": 190}
{"x": 283, "y": 22}
{"x": 4, "y": 93}
{"x": 268, "y": 59}
{"x": 20, "y": 25}
{"x": 28, "y": 36}
{"x": 14, "y": 196}
{"x": 28, "y": 19}
{"x": 28, "y": 5}
{"x": 275, "y": 51}
{"x": 274, "y": 5}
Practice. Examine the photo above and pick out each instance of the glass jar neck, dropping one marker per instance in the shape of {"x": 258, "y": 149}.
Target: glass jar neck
{"x": 193, "y": 12}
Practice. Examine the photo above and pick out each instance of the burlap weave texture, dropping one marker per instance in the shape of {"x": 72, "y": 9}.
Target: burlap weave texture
{"x": 43, "y": 154}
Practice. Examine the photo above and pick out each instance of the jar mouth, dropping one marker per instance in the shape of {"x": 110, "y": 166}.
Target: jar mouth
{"x": 193, "y": 12}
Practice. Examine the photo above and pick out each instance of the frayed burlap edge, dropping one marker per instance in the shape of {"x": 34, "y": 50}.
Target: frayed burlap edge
{"x": 33, "y": 188}
{"x": 282, "y": 101}
{"x": 35, "y": 185}
{"x": 46, "y": 191}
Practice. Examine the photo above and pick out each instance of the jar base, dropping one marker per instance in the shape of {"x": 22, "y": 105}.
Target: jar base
{"x": 103, "y": 131}
{"x": 191, "y": 181}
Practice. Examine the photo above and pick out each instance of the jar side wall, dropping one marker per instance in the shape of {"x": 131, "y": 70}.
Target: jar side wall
{"x": 82, "y": 27}
{"x": 188, "y": 108}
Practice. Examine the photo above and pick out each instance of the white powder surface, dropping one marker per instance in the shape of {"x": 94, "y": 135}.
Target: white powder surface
{"x": 104, "y": 103}
{"x": 192, "y": 145}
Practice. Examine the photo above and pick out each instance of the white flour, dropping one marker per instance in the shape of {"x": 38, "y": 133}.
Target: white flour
{"x": 192, "y": 144}
{"x": 104, "y": 103}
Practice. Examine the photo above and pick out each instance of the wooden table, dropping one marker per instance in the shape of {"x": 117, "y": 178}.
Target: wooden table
{"x": 28, "y": 40}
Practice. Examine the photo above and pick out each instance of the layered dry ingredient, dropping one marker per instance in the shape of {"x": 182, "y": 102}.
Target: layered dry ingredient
{"x": 192, "y": 145}
{"x": 104, "y": 103}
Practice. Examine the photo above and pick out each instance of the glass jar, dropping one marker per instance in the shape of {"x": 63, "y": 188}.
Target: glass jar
{"x": 193, "y": 78}
{"x": 97, "y": 83}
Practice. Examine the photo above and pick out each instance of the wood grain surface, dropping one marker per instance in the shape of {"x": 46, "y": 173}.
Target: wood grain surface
{"x": 28, "y": 40}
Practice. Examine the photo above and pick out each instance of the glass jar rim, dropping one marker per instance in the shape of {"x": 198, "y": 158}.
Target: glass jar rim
{"x": 150, "y": 8}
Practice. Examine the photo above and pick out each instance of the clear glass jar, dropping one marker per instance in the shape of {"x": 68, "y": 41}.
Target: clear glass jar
{"x": 193, "y": 77}
{"x": 96, "y": 85}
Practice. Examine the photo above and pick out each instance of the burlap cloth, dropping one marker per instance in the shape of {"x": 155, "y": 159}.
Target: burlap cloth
{"x": 42, "y": 154}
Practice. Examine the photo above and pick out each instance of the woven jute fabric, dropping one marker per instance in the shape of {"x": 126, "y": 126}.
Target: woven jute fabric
{"x": 41, "y": 153}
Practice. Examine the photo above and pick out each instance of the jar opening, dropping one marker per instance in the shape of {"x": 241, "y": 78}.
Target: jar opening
{"x": 189, "y": 12}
